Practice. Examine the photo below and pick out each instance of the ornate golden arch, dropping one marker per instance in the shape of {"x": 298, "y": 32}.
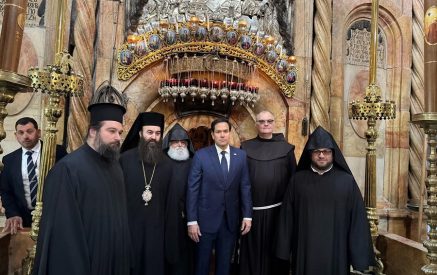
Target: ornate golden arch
{"x": 140, "y": 51}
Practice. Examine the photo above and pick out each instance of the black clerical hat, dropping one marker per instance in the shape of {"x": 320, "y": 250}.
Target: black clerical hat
{"x": 318, "y": 139}
{"x": 177, "y": 133}
{"x": 106, "y": 111}
{"x": 143, "y": 119}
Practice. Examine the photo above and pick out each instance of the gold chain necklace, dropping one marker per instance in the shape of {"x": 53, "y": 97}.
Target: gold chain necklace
{"x": 147, "y": 194}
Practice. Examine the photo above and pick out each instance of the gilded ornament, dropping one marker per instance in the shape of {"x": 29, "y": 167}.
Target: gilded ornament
{"x": 281, "y": 66}
{"x": 271, "y": 56}
{"x": 232, "y": 37}
{"x": 216, "y": 34}
{"x": 201, "y": 34}
{"x": 184, "y": 34}
{"x": 154, "y": 42}
{"x": 170, "y": 37}
{"x": 246, "y": 42}
{"x": 259, "y": 49}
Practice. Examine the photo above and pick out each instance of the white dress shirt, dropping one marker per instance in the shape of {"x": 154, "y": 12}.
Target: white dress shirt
{"x": 227, "y": 154}
{"x": 35, "y": 157}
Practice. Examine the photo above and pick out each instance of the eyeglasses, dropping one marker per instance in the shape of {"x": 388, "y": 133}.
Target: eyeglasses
{"x": 324, "y": 152}
{"x": 268, "y": 121}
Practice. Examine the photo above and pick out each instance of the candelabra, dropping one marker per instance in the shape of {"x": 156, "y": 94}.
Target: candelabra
{"x": 371, "y": 109}
{"x": 56, "y": 81}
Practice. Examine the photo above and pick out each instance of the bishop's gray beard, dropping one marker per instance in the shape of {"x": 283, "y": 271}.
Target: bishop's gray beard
{"x": 150, "y": 151}
{"x": 110, "y": 151}
{"x": 178, "y": 153}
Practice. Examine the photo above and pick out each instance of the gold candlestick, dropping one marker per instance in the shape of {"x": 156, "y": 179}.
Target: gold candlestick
{"x": 371, "y": 109}
{"x": 58, "y": 80}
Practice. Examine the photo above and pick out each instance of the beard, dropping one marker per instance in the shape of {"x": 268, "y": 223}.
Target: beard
{"x": 321, "y": 167}
{"x": 150, "y": 151}
{"x": 178, "y": 153}
{"x": 110, "y": 151}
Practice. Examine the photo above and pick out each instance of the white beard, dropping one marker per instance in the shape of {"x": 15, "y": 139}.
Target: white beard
{"x": 179, "y": 154}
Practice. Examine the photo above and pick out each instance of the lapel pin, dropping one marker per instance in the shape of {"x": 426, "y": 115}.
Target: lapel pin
{"x": 235, "y": 154}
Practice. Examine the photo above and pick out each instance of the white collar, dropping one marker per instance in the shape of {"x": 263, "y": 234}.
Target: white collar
{"x": 35, "y": 148}
{"x": 220, "y": 150}
{"x": 321, "y": 172}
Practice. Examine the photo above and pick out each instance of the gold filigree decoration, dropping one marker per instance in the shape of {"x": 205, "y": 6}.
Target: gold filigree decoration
{"x": 126, "y": 72}
{"x": 200, "y": 38}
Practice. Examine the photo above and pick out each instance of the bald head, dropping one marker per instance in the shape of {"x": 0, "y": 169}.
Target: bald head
{"x": 265, "y": 123}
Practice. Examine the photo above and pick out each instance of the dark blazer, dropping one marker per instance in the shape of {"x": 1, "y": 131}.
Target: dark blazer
{"x": 209, "y": 196}
{"x": 12, "y": 188}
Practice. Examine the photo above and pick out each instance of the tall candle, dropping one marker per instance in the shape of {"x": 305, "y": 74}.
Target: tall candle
{"x": 12, "y": 34}
{"x": 430, "y": 56}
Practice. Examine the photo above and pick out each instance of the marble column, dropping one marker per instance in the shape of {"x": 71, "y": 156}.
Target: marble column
{"x": 12, "y": 34}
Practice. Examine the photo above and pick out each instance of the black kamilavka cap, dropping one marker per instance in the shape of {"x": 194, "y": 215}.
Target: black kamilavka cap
{"x": 106, "y": 111}
{"x": 143, "y": 119}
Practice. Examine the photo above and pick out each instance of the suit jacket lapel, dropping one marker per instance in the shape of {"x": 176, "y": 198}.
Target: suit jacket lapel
{"x": 19, "y": 176}
{"x": 216, "y": 164}
{"x": 232, "y": 165}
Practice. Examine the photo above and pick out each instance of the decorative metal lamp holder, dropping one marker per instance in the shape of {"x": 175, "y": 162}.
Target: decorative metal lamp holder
{"x": 372, "y": 109}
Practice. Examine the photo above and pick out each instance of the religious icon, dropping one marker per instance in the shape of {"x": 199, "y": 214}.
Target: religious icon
{"x": 281, "y": 66}
{"x": 232, "y": 37}
{"x": 216, "y": 34}
{"x": 201, "y": 34}
{"x": 259, "y": 48}
{"x": 170, "y": 37}
{"x": 126, "y": 57}
{"x": 246, "y": 42}
{"x": 141, "y": 48}
{"x": 291, "y": 77}
{"x": 271, "y": 56}
{"x": 431, "y": 25}
{"x": 184, "y": 34}
{"x": 154, "y": 42}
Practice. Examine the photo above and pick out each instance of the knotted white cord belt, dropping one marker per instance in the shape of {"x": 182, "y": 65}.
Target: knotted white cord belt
{"x": 267, "y": 206}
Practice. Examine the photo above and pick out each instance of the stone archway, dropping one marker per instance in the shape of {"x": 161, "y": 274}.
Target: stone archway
{"x": 143, "y": 96}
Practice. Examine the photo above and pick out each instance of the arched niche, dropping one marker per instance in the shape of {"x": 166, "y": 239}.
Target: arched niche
{"x": 392, "y": 143}
{"x": 142, "y": 94}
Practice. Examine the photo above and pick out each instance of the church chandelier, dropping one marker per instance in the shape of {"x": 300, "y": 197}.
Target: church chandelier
{"x": 207, "y": 60}
{"x": 219, "y": 79}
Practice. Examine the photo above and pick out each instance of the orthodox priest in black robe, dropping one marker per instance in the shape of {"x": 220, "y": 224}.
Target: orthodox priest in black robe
{"x": 323, "y": 222}
{"x": 179, "y": 247}
{"x": 271, "y": 163}
{"x": 147, "y": 174}
{"x": 84, "y": 229}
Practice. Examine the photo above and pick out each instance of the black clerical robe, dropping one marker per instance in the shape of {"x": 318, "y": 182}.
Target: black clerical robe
{"x": 179, "y": 247}
{"x": 147, "y": 222}
{"x": 271, "y": 164}
{"x": 323, "y": 225}
{"x": 83, "y": 229}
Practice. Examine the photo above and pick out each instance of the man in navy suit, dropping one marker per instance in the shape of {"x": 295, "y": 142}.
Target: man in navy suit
{"x": 218, "y": 195}
{"x": 19, "y": 178}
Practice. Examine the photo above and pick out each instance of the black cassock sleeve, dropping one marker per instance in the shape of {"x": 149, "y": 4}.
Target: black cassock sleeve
{"x": 61, "y": 246}
{"x": 284, "y": 236}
